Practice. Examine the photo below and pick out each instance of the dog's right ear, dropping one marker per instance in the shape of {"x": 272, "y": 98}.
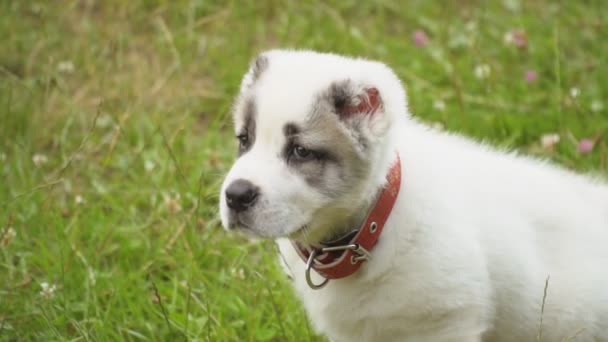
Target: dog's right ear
{"x": 256, "y": 68}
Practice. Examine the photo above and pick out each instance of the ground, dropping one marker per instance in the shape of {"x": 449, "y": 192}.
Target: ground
{"x": 115, "y": 133}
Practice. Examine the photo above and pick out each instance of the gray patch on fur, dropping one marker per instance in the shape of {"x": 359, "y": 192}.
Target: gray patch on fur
{"x": 259, "y": 65}
{"x": 290, "y": 130}
{"x": 248, "y": 129}
{"x": 342, "y": 164}
{"x": 339, "y": 95}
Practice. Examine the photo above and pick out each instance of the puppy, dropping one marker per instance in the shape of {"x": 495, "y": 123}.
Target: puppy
{"x": 393, "y": 231}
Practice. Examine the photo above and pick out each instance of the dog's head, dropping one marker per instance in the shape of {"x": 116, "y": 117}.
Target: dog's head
{"x": 313, "y": 134}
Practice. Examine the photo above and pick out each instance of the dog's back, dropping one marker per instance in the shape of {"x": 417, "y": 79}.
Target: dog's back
{"x": 536, "y": 224}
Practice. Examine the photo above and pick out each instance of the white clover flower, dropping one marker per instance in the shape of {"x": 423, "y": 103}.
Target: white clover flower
{"x": 597, "y": 106}
{"x": 47, "y": 290}
{"x": 574, "y": 92}
{"x": 482, "y": 71}
{"x": 66, "y": 67}
{"x": 7, "y": 236}
{"x": 439, "y": 105}
{"x": 549, "y": 140}
{"x": 508, "y": 38}
{"x": 149, "y": 165}
{"x": 39, "y": 159}
{"x": 173, "y": 203}
{"x": 238, "y": 273}
{"x": 79, "y": 199}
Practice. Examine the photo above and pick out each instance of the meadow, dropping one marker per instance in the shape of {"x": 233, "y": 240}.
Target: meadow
{"x": 115, "y": 132}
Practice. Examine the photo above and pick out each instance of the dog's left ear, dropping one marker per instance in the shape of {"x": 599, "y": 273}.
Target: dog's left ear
{"x": 350, "y": 99}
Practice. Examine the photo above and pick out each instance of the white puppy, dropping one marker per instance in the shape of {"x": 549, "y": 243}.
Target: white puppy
{"x": 473, "y": 235}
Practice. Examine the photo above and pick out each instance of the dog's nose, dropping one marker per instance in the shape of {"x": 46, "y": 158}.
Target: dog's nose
{"x": 241, "y": 195}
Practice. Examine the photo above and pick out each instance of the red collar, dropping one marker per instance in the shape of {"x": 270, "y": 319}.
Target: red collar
{"x": 339, "y": 260}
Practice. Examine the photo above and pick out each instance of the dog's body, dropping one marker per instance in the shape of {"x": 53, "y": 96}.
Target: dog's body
{"x": 471, "y": 241}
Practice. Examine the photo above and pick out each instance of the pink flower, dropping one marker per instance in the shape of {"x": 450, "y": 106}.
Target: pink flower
{"x": 530, "y": 76}
{"x": 518, "y": 38}
{"x": 585, "y": 146}
{"x": 420, "y": 38}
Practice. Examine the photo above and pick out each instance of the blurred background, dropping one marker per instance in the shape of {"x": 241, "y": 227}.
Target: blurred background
{"x": 115, "y": 133}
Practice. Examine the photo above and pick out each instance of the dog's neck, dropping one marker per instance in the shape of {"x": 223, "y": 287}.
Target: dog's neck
{"x": 342, "y": 225}
{"x": 351, "y": 224}
{"x": 370, "y": 192}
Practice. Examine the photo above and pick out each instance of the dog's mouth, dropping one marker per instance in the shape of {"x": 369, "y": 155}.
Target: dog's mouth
{"x": 241, "y": 226}
{"x": 306, "y": 234}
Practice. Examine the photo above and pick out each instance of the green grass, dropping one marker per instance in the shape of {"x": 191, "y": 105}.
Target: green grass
{"x": 129, "y": 103}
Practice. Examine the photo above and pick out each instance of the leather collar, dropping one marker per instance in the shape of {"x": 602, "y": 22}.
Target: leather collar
{"x": 344, "y": 256}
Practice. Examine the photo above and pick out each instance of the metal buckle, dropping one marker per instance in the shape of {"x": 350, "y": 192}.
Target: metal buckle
{"x": 362, "y": 254}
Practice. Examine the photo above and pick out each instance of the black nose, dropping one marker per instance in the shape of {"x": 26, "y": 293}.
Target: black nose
{"x": 241, "y": 195}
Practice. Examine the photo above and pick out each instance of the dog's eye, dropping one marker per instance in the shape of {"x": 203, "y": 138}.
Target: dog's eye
{"x": 243, "y": 141}
{"x": 302, "y": 153}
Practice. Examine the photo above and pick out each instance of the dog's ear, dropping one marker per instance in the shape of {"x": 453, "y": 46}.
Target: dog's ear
{"x": 349, "y": 99}
{"x": 256, "y": 68}
{"x": 360, "y": 107}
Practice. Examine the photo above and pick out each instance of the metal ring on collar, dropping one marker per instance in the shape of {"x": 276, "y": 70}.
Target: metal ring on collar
{"x": 311, "y": 259}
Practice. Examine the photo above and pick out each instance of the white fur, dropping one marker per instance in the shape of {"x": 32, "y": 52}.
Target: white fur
{"x": 472, "y": 238}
